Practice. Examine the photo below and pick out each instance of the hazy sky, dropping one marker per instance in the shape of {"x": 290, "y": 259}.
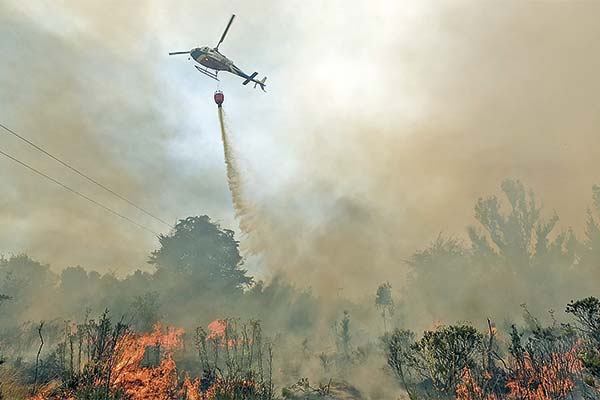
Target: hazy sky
{"x": 383, "y": 123}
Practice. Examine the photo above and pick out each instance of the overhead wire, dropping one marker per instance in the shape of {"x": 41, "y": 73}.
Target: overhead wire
{"x": 57, "y": 182}
{"x": 82, "y": 174}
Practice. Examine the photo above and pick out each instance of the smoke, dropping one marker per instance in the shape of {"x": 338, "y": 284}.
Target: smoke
{"x": 383, "y": 125}
{"x": 383, "y": 156}
{"x": 76, "y": 81}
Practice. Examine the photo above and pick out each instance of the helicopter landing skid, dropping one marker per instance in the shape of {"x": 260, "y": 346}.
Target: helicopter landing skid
{"x": 207, "y": 72}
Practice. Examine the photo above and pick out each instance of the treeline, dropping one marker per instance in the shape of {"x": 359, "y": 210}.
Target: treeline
{"x": 198, "y": 277}
{"x": 514, "y": 255}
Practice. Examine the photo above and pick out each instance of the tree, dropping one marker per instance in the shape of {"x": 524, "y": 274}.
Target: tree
{"x": 444, "y": 353}
{"x": 344, "y": 338}
{"x": 546, "y": 365}
{"x": 587, "y": 315}
{"x": 385, "y": 302}
{"x": 400, "y": 359}
{"x": 146, "y": 310}
{"x": 433, "y": 366}
{"x": 442, "y": 268}
{"x": 26, "y": 281}
{"x": 519, "y": 236}
{"x": 512, "y": 246}
{"x": 589, "y": 252}
{"x": 204, "y": 253}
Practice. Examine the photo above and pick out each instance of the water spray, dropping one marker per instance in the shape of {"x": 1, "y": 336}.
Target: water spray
{"x": 233, "y": 174}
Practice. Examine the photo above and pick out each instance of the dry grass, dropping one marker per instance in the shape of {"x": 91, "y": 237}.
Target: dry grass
{"x": 10, "y": 389}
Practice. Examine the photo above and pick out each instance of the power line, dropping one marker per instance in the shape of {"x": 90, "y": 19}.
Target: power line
{"x": 77, "y": 193}
{"x": 78, "y": 172}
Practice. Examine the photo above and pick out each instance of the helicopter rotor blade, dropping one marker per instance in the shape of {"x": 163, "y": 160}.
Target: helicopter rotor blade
{"x": 225, "y": 32}
{"x": 179, "y": 52}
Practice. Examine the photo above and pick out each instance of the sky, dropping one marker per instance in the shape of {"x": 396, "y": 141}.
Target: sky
{"x": 383, "y": 123}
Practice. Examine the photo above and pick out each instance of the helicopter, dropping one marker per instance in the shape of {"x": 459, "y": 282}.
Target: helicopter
{"x": 212, "y": 59}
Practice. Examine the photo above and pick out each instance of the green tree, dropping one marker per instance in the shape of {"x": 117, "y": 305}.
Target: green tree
{"x": 146, "y": 311}
{"x": 587, "y": 316}
{"x": 385, "y": 303}
{"x": 401, "y": 360}
{"x": 26, "y": 281}
{"x": 204, "y": 253}
{"x": 442, "y": 355}
{"x": 432, "y": 367}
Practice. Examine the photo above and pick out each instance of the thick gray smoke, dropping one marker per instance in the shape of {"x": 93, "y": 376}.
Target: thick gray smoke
{"x": 494, "y": 91}
{"x": 80, "y": 82}
{"x": 382, "y": 127}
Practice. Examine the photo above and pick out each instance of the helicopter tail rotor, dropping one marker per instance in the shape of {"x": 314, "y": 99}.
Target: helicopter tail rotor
{"x": 261, "y": 83}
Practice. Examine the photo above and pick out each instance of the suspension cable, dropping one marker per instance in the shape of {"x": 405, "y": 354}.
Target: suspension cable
{"x": 97, "y": 203}
{"x": 80, "y": 173}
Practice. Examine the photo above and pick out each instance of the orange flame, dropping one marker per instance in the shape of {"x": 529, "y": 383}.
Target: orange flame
{"x": 551, "y": 380}
{"x": 147, "y": 383}
{"x": 128, "y": 375}
{"x": 217, "y": 329}
{"x": 469, "y": 389}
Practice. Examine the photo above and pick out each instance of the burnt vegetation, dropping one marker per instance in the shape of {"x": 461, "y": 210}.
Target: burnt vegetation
{"x": 475, "y": 321}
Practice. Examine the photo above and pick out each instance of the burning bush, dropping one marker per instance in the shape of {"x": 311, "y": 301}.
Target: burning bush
{"x": 236, "y": 364}
{"x": 99, "y": 360}
{"x": 551, "y": 363}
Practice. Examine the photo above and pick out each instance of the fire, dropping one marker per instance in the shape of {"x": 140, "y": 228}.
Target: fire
{"x": 221, "y": 388}
{"x": 147, "y": 383}
{"x": 549, "y": 380}
{"x": 217, "y": 329}
{"x": 141, "y": 367}
{"x": 469, "y": 389}
{"x": 45, "y": 393}
{"x": 124, "y": 371}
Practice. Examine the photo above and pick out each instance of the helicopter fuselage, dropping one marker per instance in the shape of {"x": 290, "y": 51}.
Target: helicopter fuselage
{"x": 212, "y": 59}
